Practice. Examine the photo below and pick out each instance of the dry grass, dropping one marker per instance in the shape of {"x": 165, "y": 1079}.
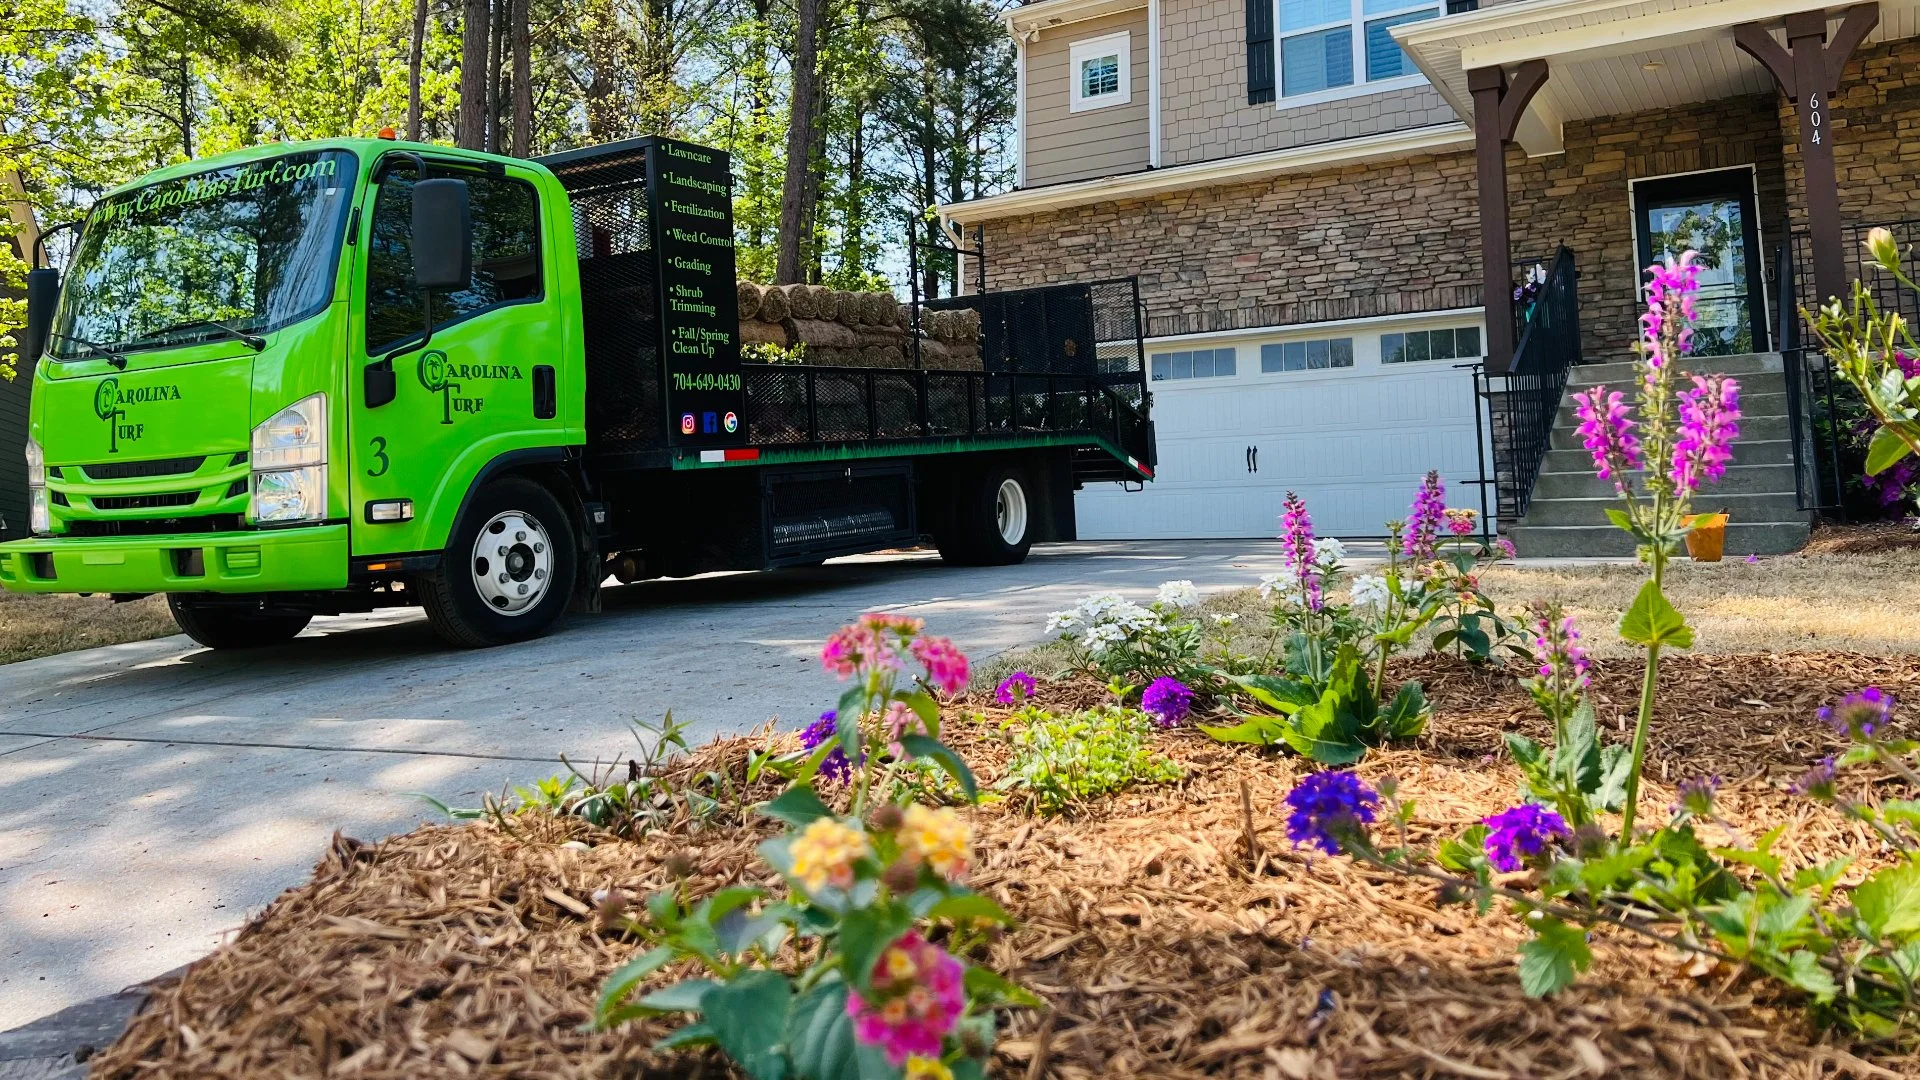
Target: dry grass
{"x": 32, "y": 625}
{"x": 1163, "y": 945}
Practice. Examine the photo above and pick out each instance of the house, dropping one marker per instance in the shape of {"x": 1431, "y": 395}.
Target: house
{"x": 1330, "y": 205}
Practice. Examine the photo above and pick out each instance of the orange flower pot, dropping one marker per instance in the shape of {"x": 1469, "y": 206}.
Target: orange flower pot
{"x": 1706, "y": 536}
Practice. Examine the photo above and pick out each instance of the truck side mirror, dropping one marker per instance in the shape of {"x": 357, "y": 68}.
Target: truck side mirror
{"x": 43, "y": 295}
{"x": 442, "y": 234}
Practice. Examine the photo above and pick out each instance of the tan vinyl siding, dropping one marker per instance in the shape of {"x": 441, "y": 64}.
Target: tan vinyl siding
{"x": 1204, "y": 113}
{"x": 1063, "y": 145}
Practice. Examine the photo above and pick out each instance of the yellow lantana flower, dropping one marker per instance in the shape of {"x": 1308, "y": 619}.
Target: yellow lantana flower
{"x": 938, "y": 836}
{"x": 926, "y": 1068}
{"x": 824, "y": 854}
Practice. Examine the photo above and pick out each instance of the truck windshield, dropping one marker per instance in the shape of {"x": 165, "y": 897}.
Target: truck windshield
{"x": 253, "y": 247}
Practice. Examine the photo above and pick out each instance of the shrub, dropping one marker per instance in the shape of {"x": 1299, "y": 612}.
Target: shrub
{"x": 1874, "y": 351}
{"x": 1120, "y": 639}
{"x": 1061, "y": 761}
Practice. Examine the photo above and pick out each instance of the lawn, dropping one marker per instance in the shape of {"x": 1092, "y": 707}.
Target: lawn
{"x": 33, "y": 625}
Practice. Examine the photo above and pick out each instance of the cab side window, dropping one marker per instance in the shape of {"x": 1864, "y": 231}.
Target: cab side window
{"x": 506, "y": 257}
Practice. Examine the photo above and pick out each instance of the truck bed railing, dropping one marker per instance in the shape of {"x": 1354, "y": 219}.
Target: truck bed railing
{"x": 801, "y": 404}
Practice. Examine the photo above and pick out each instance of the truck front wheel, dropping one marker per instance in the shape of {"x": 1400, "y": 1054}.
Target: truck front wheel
{"x": 508, "y": 569}
{"x": 227, "y": 625}
{"x": 993, "y": 521}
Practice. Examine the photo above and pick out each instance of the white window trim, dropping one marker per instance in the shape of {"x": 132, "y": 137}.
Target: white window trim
{"x": 1360, "y": 87}
{"x": 1119, "y": 44}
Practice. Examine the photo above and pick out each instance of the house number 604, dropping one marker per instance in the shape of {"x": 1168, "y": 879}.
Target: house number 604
{"x": 1816, "y": 118}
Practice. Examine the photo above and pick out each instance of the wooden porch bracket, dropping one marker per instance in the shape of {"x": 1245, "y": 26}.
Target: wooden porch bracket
{"x": 1498, "y": 105}
{"x": 1808, "y": 71}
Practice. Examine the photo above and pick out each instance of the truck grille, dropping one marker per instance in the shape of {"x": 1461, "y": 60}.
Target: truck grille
{"x": 128, "y": 470}
{"x": 144, "y": 502}
{"x": 157, "y": 526}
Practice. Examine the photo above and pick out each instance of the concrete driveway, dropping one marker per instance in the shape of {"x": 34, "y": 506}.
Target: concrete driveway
{"x": 157, "y": 794}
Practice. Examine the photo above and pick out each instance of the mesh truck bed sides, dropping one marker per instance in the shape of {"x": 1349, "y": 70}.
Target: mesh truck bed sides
{"x": 618, "y": 292}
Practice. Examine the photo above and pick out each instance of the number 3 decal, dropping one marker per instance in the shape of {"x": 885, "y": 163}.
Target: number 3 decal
{"x": 380, "y": 455}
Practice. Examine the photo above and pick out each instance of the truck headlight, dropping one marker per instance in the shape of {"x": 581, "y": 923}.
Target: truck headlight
{"x": 39, "y": 518}
{"x": 289, "y": 461}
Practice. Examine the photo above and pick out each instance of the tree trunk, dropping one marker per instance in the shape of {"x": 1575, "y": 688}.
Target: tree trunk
{"x": 26, "y": 225}
{"x": 415, "y": 59}
{"x": 474, "y": 39}
{"x": 496, "y": 50}
{"x": 186, "y": 106}
{"x": 800, "y": 127}
{"x": 522, "y": 80}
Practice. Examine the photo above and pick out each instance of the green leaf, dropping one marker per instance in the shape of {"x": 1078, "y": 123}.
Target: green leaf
{"x": 1652, "y": 620}
{"x": 1621, "y": 519}
{"x": 1615, "y": 763}
{"x": 1785, "y": 915}
{"x": 943, "y": 755}
{"x": 798, "y": 806}
{"x": 970, "y": 906}
{"x": 1557, "y": 953}
{"x": 864, "y": 934}
{"x": 1576, "y": 755}
{"x": 1257, "y": 730}
{"x": 927, "y": 709}
{"x": 820, "y": 1034}
{"x": 1280, "y": 695}
{"x": 1804, "y": 971}
{"x": 682, "y": 996}
{"x": 1462, "y": 854}
{"x": 1889, "y": 901}
{"x": 726, "y": 900}
{"x": 1886, "y": 448}
{"x": 1524, "y": 751}
{"x": 748, "y": 1016}
{"x": 987, "y": 986}
{"x": 695, "y": 1034}
{"x": 1406, "y": 715}
{"x": 624, "y": 979}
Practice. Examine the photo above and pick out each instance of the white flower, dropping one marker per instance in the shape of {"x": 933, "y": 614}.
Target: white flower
{"x": 1100, "y": 638}
{"x": 1063, "y": 622}
{"x": 1272, "y": 585}
{"x": 1328, "y": 550}
{"x": 1370, "y": 593}
{"x": 1226, "y": 618}
{"x": 1178, "y": 594}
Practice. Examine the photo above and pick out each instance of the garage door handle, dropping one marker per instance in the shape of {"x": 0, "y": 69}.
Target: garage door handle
{"x": 1249, "y": 453}
{"x": 1253, "y": 458}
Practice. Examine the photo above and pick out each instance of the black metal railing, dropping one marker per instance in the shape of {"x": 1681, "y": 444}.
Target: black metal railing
{"x": 1859, "y": 266}
{"x": 1523, "y": 401}
{"x": 800, "y": 404}
{"x": 1812, "y": 428}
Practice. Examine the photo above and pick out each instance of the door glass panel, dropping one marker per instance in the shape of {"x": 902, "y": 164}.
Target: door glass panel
{"x": 1716, "y": 228}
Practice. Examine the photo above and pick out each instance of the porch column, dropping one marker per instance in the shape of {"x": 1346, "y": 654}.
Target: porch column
{"x": 1497, "y": 107}
{"x": 1808, "y": 71}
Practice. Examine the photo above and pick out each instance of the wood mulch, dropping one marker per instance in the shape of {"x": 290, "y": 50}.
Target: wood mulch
{"x": 1162, "y": 944}
{"x": 1862, "y": 539}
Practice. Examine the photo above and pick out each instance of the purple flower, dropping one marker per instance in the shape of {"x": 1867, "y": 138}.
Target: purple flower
{"x": 1818, "y": 782}
{"x": 1423, "y": 525}
{"x": 1505, "y": 547}
{"x": 1606, "y": 430}
{"x": 1523, "y": 833}
{"x": 1296, "y": 550}
{"x": 835, "y": 765}
{"x": 1709, "y": 422}
{"x": 1167, "y": 700}
{"x": 1556, "y": 642}
{"x": 1666, "y": 330}
{"x": 1861, "y": 715}
{"x": 1327, "y": 806}
{"x": 1015, "y": 688}
{"x": 1697, "y": 796}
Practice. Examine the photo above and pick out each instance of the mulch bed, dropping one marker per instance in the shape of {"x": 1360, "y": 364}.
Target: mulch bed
{"x": 1162, "y": 944}
{"x": 1865, "y": 539}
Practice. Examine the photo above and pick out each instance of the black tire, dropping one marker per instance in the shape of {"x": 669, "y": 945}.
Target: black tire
{"x": 515, "y": 512}
{"x": 989, "y": 530}
{"x": 229, "y": 625}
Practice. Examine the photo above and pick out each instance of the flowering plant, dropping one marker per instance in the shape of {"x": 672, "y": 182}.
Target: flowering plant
{"x": 1679, "y": 440}
{"x": 1060, "y": 761}
{"x": 1869, "y": 348}
{"x": 1577, "y": 776}
{"x": 1121, "y": 639}
{"x": 1433, "y": 574}
{"x": 1312, "y": 626}
{"x": 840, "y": 977}
{"x": 1852, "y": 952}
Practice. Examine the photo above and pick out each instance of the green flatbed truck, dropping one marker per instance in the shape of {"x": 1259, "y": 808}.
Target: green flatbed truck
{"x": 333, "y": 376}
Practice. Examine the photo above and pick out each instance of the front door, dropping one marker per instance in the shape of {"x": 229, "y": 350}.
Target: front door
{"x": 1711, "y": 213}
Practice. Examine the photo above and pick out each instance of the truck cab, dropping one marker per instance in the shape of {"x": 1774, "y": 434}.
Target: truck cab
{"x": 331, "y": 376}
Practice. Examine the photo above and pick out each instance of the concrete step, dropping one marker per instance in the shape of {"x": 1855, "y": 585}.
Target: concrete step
{"x": 1762, "y": 404}
{"x": 1740, "y": 480}
{"x": 1621, "y": 371}
{"x": 1769, "y": 506}
{"x": 1752, "y": 429}
{"x": 1594, "y": 541}
{"x": 1746, "y": 451}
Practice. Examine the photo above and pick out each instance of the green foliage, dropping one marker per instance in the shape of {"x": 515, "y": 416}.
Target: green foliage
{"x": 1063, "y": 761}
{"x": 1652, "y": 620}
{"x": 1550, "y": 960}
{"x": 1333, "y": 721}
{"x": 1866, "y": 346}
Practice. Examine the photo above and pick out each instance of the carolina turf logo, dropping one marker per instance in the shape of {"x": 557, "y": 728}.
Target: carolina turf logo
{"x": 446, "y": 378}
{"x": 110, "y": 403}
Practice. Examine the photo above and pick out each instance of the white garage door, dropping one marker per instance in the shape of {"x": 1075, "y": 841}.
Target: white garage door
{"x": 1352, "y": 442}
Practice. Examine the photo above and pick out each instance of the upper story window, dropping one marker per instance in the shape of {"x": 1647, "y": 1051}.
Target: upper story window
{"x": 1102, "y": 71}
{"x": 1335, "y": 47}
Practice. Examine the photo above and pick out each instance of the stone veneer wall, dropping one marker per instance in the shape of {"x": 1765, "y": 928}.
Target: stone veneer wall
{"x": 1876, "y": 139}
{"x": 1366, "y": 240}
{"x": 1581, "y": 198}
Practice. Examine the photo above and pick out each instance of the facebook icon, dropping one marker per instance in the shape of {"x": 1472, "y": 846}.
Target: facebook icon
{"x": 709, "y": 423}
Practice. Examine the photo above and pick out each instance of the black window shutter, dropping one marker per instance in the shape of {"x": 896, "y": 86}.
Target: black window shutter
{"x": 1259, "y": 51}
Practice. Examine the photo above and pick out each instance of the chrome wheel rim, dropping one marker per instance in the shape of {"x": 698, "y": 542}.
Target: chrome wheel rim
{"x": 1010, "y": 511}
{"x": 512, "y": 563}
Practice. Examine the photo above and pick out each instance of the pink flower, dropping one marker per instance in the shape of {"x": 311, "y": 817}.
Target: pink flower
{"x": 1666, "y": 330}
{"x": 1460, "y": 520}
{"x": 1296, "y": 550}
{"x": 916, "y": 998}
{"x": 1506, "y": 548}
{"x": 872, "y": 642}
{"x": 1423, "y": 525}
{"x": 946, "y": 665}
{"x": 1709, "y": 422}
{"x": 1606, "y": 430}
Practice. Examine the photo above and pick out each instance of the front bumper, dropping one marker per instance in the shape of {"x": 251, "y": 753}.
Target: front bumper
{"x": 267, "y": 560}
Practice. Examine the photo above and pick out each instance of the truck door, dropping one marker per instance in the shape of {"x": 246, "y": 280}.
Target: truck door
{"x": 484, "y": 383}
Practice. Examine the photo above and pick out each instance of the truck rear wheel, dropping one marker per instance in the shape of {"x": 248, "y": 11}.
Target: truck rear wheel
{"x": 508, "y": 569}
{"x": 993, "y": 523}
{"x": 230, "y": 625}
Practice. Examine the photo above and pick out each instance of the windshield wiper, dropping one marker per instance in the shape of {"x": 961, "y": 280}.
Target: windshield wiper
{"x": 106, "y": 351}
{"x": 251, "y": 341}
